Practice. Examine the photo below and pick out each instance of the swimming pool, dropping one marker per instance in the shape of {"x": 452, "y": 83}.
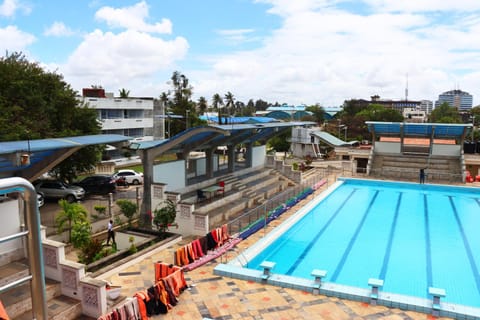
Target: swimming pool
{"x": 411, "y": 236}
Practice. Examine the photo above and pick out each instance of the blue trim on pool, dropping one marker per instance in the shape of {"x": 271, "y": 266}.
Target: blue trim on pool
{"x": 473, "y": 265}
{"x": 339, "y": 267}
{"x": 393, "y": 227}
{"x": 319, "y": 234}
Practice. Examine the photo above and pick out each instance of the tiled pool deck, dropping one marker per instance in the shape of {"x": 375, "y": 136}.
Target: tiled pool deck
{"x": 213, "y": 296}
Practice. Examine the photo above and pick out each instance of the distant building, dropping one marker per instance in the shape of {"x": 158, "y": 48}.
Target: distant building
{"x": 459, "y": 99}
{"x": 426, "y": 106}
{"x": 138, "y": 118}
{"x": 414, "y": 115}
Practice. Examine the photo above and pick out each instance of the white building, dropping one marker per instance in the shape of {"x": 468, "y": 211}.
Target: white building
{"x": 414, "y": 115}
{"x": 138, "y": 118}
{"x": 132, "y": 117}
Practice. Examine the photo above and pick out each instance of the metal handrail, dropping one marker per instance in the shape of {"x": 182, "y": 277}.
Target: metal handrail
{"x": 34, "y": 244}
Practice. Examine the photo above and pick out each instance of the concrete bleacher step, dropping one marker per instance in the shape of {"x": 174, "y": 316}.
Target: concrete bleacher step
{"x": 18, "y": 303}
{"x": 13, "y": 271}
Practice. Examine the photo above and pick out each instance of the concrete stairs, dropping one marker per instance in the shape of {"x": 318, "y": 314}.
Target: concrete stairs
{"x": 407, "y": 167}
{"x": 18, "y": 302}
{"x": 249, "y": 191}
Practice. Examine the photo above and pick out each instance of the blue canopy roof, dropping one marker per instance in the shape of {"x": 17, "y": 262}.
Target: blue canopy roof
{"x": 436, "y": 130}
{"x": 46, "y": 153}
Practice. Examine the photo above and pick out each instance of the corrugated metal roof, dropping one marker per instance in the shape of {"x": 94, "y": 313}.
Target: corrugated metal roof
{"x": 418, "y": 129}
{"x": 200, "y": 138}
{"x": 45, "y": 152}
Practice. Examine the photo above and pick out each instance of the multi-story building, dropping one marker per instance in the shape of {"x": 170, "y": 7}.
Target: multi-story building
{"x": 138, "y": 118}
{"x": 426, "y": 106}
{"x": 459, "y": 99}
{"x": 132, "y": 117}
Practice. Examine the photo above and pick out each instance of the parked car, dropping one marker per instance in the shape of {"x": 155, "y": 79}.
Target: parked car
{"x": 6, "y": 197}
{"x": 98, "y": 184}
{"x": 131, "y": 176}
{"x": 54, "y": 189}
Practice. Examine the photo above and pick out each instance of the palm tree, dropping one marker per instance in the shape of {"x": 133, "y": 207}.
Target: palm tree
{"x": 230, "y": 99}
{"x": 217, "y": 101}
{"x": 124, "y": 93}
{"x": 71, "y": 214}
{"x": 202, "y": 104}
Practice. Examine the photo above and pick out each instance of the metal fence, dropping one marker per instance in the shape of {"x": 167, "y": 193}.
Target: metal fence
{"x": 260, "y": 212}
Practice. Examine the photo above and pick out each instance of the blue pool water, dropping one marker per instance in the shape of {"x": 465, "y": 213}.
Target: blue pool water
{"x": 412, "y": 236}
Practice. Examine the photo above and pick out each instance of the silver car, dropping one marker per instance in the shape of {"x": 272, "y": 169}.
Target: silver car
{"x": 54, "y": 189}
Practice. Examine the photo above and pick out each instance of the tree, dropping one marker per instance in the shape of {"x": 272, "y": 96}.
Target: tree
{"x": 124, "y": 93}
{"x": 280, "y": 142}
{"x": 36, "y": 104}
{"x": 165, "y": 216}
{"x": 217, "y": 103}
{"x": 180, "y": 104}
{"x": 70, "y": 215}
{"x": 230, "y": 103}
{"x": 377, "y": 112}
{"x": 128, "y": 208}
{"x": 318, "y": 112}
{"x": 444, "y": 113}
{"x": 202, "y": 105}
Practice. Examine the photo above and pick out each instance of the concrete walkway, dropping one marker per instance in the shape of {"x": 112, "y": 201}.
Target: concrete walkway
{"x": 214, "y": 297}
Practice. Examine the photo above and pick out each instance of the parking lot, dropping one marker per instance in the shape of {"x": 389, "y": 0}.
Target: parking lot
{"x": 51, "y": 208}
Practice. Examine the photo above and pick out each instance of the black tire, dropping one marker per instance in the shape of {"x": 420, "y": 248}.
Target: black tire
{"x": 70, "y": 198}
{"x": 135, "y": 182}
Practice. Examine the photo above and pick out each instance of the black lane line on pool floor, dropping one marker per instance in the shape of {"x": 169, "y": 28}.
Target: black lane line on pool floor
{"x": 427, "y": 242}
{"x": 473, "y": 265}
{"x": 339, "y": 267}
{"x": 319, "y": 234}
{"x": 386, "y": 257}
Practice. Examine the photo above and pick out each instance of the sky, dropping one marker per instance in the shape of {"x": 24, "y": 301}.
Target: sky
{"x": 286, "y": 51}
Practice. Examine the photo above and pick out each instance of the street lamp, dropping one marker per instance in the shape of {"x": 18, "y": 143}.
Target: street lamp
{"x": 186, "y": 119}
{"x": 344, "y": 127}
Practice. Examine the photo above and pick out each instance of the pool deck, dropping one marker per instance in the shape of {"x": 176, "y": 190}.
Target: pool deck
{"x": 215, "y": 297}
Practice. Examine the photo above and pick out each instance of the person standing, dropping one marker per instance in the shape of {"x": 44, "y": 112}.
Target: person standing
{"x": 422, "y": 175}
{"x": 110, "y": 233}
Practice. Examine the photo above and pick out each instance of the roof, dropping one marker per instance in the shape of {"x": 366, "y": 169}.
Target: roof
{"x": 434, "y": 130}
{"x": 332, "y": 140}
{"x": 236, "y": 120}
{"x": 287, "y": 108}
{"x": 44, "y": 154}
{"x": 212, "y": 136}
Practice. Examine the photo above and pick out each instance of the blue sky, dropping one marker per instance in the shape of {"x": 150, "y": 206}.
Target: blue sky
{"x": 302, "y": 51}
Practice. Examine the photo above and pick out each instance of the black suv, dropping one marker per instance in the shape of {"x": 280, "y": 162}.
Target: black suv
{"x": 98, "y": 184}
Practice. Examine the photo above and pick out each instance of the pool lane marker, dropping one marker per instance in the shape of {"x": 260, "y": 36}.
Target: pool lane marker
{"x": 319, "y": 234}
{"x": 473, "y": 265}
{"x": 339, "y": 267}
{"x": 393, "y": 227}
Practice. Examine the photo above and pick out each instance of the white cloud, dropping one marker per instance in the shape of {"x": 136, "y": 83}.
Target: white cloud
{"x": 9, "y": 7}
{"x": 322, "y": 54}
{"x": 237, "y": 35}
{"x": 58, "y": 29}
{"x": 120, "y": 60}
{"x": 132, "y": 18}
{"x": 424, "y": 5}
{"x": 13, "y": 39}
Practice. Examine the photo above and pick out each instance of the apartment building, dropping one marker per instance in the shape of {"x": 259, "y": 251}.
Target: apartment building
{"x": 137, "y": 117}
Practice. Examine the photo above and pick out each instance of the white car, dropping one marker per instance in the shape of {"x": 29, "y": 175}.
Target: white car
{"x": 130, "y": 176}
